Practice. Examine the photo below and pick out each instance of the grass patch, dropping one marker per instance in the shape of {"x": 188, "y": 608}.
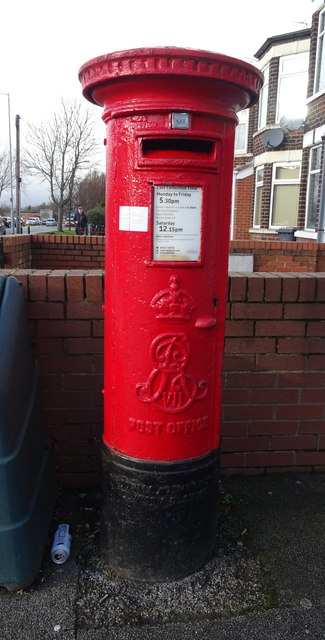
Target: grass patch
{"x": 67, "y": 232}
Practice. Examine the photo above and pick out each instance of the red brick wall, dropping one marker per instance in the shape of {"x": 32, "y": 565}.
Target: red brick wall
{"x": 243, "y": 207}
{"x": 273, "y": 399}
{"x": 18, "y": 252}
{"x": 66, "y": 327}
{"x": 72, "y": 252}
{"x": 88, "y": 252}
{"x": 46, "y": 251}
{"x": 282, "y": 256}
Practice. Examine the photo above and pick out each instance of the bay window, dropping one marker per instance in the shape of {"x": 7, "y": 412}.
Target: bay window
{"x": 313, "y": 187}
{"x": 285, "y": 194}
{"x": 264, "y": 96}
{"x": 241, "y": 132}
{"x": 292, "y": 86}
{"x": 258, "y": 196}
{"x": 320, "y": 55}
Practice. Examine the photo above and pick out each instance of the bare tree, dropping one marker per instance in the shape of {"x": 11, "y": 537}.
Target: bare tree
{"x": 90, "y": 191}
{"x": 4, "y": 171}
{"x": 60, "y": 149}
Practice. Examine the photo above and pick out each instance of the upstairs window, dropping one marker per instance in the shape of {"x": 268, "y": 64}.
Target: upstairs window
{"x": 313, "y": 187}
{"x": 264, "y": 96}
{"x": 320, "y": 55}
{"x": 241, "y": 132}
{"x": 292, "y": 87}
{"x": 285, "y": 194}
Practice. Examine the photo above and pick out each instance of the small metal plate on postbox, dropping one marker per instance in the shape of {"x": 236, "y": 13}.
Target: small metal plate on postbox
{"x": 180, "y": 120}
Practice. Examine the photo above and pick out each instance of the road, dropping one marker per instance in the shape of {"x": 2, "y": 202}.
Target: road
{"x": 42, "y": 228}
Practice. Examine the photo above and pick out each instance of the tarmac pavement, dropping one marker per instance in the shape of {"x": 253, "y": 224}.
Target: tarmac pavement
{"x": 266, "y": 580}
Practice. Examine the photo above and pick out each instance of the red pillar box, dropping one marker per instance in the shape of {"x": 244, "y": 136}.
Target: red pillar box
{"x": 171, "y": 118}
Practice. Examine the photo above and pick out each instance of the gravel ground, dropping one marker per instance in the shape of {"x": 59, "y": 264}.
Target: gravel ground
{"x": 265, "y": 581}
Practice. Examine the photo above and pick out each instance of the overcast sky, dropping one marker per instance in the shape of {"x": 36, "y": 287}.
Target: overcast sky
{"x": 43, "y": 45}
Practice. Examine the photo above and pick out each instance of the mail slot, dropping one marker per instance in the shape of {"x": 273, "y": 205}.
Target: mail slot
{"x": 170, "y": 115}
{"x": 181, "y": 148}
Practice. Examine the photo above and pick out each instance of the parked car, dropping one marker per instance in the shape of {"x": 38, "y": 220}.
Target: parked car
{"x": 50, "y": 222}
{"x": 33, "y": 221}
{"x": 2, "y": 228}
{"x": 71, "y": 223}
{"x": 7, "y": 221}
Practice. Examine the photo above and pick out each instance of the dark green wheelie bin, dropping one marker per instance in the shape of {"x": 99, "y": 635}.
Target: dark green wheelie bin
{"x": 27, "y": 479}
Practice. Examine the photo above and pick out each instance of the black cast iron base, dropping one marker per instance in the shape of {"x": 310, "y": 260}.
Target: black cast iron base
{"x": 159, "y": 520}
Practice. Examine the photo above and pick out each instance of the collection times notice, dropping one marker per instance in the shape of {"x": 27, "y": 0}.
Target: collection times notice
{"x": 177, "y": 223}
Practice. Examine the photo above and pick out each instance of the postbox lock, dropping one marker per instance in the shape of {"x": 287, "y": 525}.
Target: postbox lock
{"x": 180, "y": 120}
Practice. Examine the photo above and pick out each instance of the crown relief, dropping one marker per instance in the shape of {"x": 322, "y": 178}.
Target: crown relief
{"x": 173, "y": 304}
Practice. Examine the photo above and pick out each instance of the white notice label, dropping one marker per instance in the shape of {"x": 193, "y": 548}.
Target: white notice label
{"x": 177, "y": 223}
{"x": 133, "y": 219}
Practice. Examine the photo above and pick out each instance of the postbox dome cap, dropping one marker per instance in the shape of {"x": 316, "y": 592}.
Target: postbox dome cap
{"x": 170, "y": 61}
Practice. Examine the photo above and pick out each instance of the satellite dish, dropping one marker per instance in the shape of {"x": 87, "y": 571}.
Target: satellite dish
{"x": 273, "y": 138}
{"x": 291, "y": 124}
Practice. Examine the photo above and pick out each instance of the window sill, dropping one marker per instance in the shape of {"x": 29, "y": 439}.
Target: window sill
{"x": 315, "y": 96}
{"x": 266, "y": 127}
{"x": 243, "y": 154}
{"x": 263, "y": 231}
{"x": 309, "y": 235}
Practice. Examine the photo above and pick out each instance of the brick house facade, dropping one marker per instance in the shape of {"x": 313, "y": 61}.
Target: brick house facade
{"x": 277, "y": 177}
{"x": 313, "y": 145}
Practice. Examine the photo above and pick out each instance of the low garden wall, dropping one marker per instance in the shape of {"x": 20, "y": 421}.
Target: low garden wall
{"x": 47, "y": 251}
{"x": 280, "y": 256}
{"x": 273, "y": 413}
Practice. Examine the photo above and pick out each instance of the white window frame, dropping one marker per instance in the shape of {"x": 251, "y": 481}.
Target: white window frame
{"x": 242, "y": 120}
{"x": 310, "y": 173}
{"x": 277, "y": 182}
{"x": 319, "y": 59}
{"x": 259, "y": 184}
{"x": 289, "y": 75}
{"x": 264, "y": 92}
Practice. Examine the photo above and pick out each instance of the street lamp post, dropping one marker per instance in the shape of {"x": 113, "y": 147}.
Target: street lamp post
{"x": 18, "y": 178}
{"x": 2, "y": 93}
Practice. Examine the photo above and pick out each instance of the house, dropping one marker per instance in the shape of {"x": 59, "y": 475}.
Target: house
{"x": 312, "y": 191}
{"x": 279, "y": 146}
